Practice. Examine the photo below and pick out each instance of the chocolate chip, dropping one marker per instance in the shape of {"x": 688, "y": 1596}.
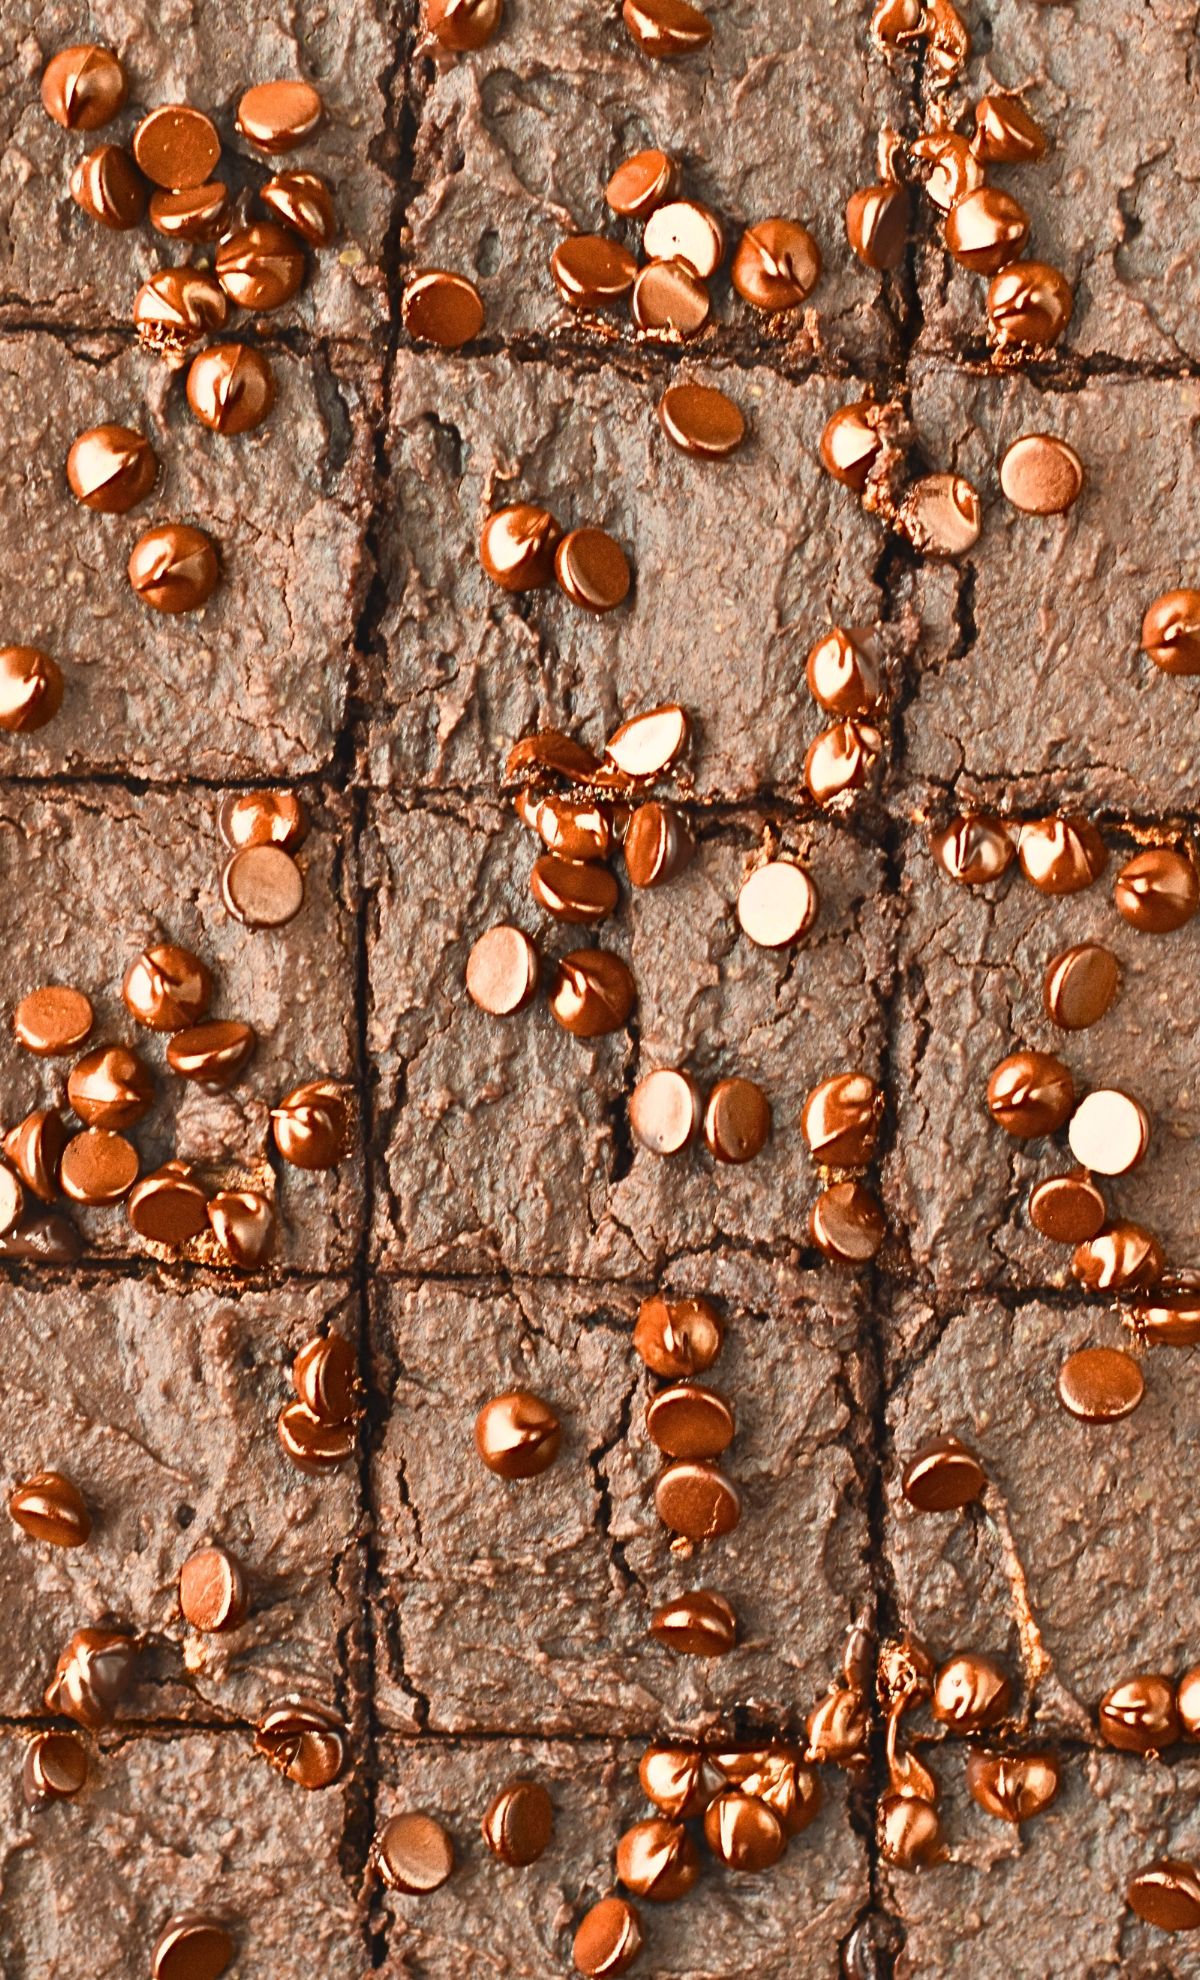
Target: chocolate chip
{"x": 1171, "y": 1318}
{"x": 1109, "y": 1132}
{"x": 593, "y": 570}
{"x": 695, "y": 1499}
{"x": 657, "y": 1859}
{"x": 843, "y": 673}
{"x": 1166, "y": 1894}
{"x": 304, "y": 1740}
{"x": 177, "y": 307}
{"x": 684, "y": 230}
{"x": 517, "y": 1435}
{"x": 517, "y": 548}
{"x": 647, "y": 745}
{"x": 55, "y": 1768}
{"x": 1014, "y": 1787}
{"x": 1080, "y": 986}
{"x": 641, "y": 183}
{"x": 943, "y": 1476}
{"x": 609, "y": 1936}
{"x": 592, "y": 272}
{"x": 1029, "y": 306}
{"x": 665, "y": 30}
{"x": 1031, "y": 1093}
{"x": 176, "y": 146}
{"x": 678, "y": 1337}
{"x": 262, "y": 818}
{"x": 986, "y": 229}
{"x": 846, "y": 1224}
{"x": 841, "y": 760}
{"x": 231, "y": 388}
{"x": 877, "y": 222}
{"x": 502, "y": 971}
{"x": 243, "y": 1223}
{"x": 777, "y": 904}
{"x": 98, "y": 1166}
{"x": 774, "y": 1774}
{"x": 948, "y": 167}
{"x": 325, "y": 1376}
{"x": 743, "y": 1832}
{"x": 443, "y": 308}
{"x": 111, "y": 469}
{"x": 737, "y": 1120}
{"x": 12, "y": 1199}
{"x": 519, "y": 1823}
{"x": 572, "y": 828}
{"x": 260, "y": 267}
{"x": 908, "y": 1831}
{"x": 572, "y": 891}
{"x": 669, "y": 301}
{"x": 776, "y": 265}
{"x": 1067, "y": 1209}
{"x": 193, "y": 1948}
{"x": 277, "y": 116}
{"x": 851, "y": 445}
{"x": 1157, "y": 891}
{"x": 35, "y": 1149}
{"x": 1139, "y": 1715}
{"x": 83, "y": 87}
{"x": 689, "y": 1421}
{"x": 463, "y": 25}
{"x": 110, "y": 1088}
{"x": 49, "y": 1507}
{"x": 591, "y": 993}
{"x": 166, "y": 988}
{"x": 52, "y": 1020}
{"x": 657, "y": 844}
{"x": 31, "y": 689}
{"x": 970, "y": 1693}
{"x": 1005, "y": 133}
{"x": 196, "y": 214}
{"x": 941, "y": 515}
{"x": 840, "y": 1120}
{"x": 701, "y": 420}
{"x": 548, "y": 754}
{"x": 174, "y": 568}
{"x": 699, "y": 1624}
{"x": 92, "y": 1676}
{"x": 262, "y": 886}
{"x": 311, "y": 1125}
{"x": 413, "y": 1854}
{"x": 1041, "y": 475}
{"x": 213, "y": 1054}
{"x": 1100, "y": 1385}
{"x": 1171, "y": 632}
{"x": 973, "y": 849}
{"x": 107, "y": 186}
{"x": 674, "y": 1778}
{"x": 212, "y": 1591}
{"x": 1187, "y": 1702}
{"x": 1119, "y": 1256}
{"x": 313, "y": 1445}
{"x": 168, "y": 1207}
{"x": 50, "y": 1239}
{"x": 665, "y": 1111}
{"x": 1061, "y": 855}
{"x": 839, "y": 1728}
{"x": 303, "y": 202}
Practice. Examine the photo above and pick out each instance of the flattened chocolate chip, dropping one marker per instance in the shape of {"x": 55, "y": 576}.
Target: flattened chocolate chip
{"x": 212, "y": 1591}
{"x": 846, "y": 1224}
{"x": 35, "y": 1149}
{"x": 1080, "y": 985}
{"x": 52, "y": 1020}
{"x": 519, "y": 1823}
{"x": 443, "y": 308}
{"x": 669, "y": 301}
{"x": 196, "y": 214}
{"x": 176, "y": 146}
{"x": 1109, "y": 1132}
{"x": 55, "y": 1768}
{"x": 168, "y": 1207}
{"x": 684, "y": 230}
{"x": 646, "y": 746}
{"x": 1041, "y": 475}
{"x": 941, "y": 515}
{"x": 414, "y": 1854}
{"x": 593, "y": 570}
{"x": 695, "y": 1499}
{"x": 1067, "y": 1209}
{"x": 665, "y": 1111}
{"x": 1166, "y": 1894}
{"x": 98, "y": 1166}
{"x": 688, "y": 1420}
{"x": 277, "y": 116}
{"x": 701, "y": 420}
{"x": 943, "y": 1476}
{"x": 777, "y": 904}
{"x": 312, "y": 1444}
{"x": 572, "y": 891}
{"x": 213, "y": 1054}
{"x": 657, "y": 844}
{"x": 591, "y": 271}
{"x": 737, "y": 1120}
{"x": 699, "y": 1624}
{"x": 570, "y": 827}
{"x": 193, "y": 1948}
{"x": 503, "y": 969}
{"x": 262, "y": 886}
{"x": 641, "y": 183}
{"x": 49, "y": 1507}
{"x": 1100, "y": 1385}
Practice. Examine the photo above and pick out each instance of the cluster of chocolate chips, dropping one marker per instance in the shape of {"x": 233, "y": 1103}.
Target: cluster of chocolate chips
{"x": 986, "y": 230}
{"x": 865, "y": 446}
{"x": 524, "y": 548}
{"x": 845, "y": 678}
{"x": 319, "y": 1430}
{"x": 840, "y": 1122}
{"x": 261, "y": 883}
{"x": 1032, "y": 1094}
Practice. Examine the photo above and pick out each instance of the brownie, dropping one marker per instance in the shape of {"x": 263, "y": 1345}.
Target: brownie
{"x": 1100, "y": 1515}
{"x": 515, "y": 145}
{"x": 57, "y": 266}
{"x": 564, "y": 1570}
{"x": 255, "y": 683}
{"x": 1049, "y": 1897}
{"x": 721, "y": 616}
{"x": 1034, "y": 688}
{"x": 1114, "y": 86}
{"x": 973, "y": 962}
{"x": 505, "y": 1142}
{"x": 491, "y": 1920}
{"x": 159, "y": 1403}
{"x": 166, "y": 1826}
{"x": 106, "y": 872}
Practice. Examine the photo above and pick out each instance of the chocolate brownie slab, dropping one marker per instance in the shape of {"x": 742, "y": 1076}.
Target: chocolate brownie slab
{"x": 1039, "y": 693}
{"x": 780, "y": 114}
{"x": 505, "y": 1141}
{"x": 166, "y": 1826}
{"x": 159, "y": 1403}
{"x": 1049, "y": 1897}
{"x": 57, "y": 265}
{"x": 721, "y": 615}
{"x": 1110, "y": 203}
{"x": 1088, "y": 1524}
{"x": 492, "y": 1920}
{"x": 111, "y": 872}
{"x": 526, "y": 1606}
{"x": 253, "y": 684}
{"x": 974, "y": 961}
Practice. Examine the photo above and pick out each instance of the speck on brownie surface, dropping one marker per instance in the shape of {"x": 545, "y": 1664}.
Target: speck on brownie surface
{"x": 721, "y": 615}
{"x": 515, "y": 145}
{"x": 503, "y": 1142}
{"x": 525, "y": 1606}
{"x": 112, "y": 871}
{"x": 255, "y": 683}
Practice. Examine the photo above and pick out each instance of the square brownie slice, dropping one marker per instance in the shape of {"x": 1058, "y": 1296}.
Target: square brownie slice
{"x": 113, "y": 872}
{"x": 171, "y": 1825}
{"x": 1051, "y": 1892}
{"x": 253, "y": 684}
{"x": 1035, "y": 689}
{"x": 974, "y": 961}
{"x": 779, "y": 115}
{"x": 787, "y": 1920}
{"x": 525, "y": 1607}
{"x": 58, "y": 266}
{"x": 720, "y": 618}
{"x": 159, "y": 1403}
{"x": 1110, "y": 202}
{"x": 1082, "y": 1542}
{"x": 505, "y": 1142}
